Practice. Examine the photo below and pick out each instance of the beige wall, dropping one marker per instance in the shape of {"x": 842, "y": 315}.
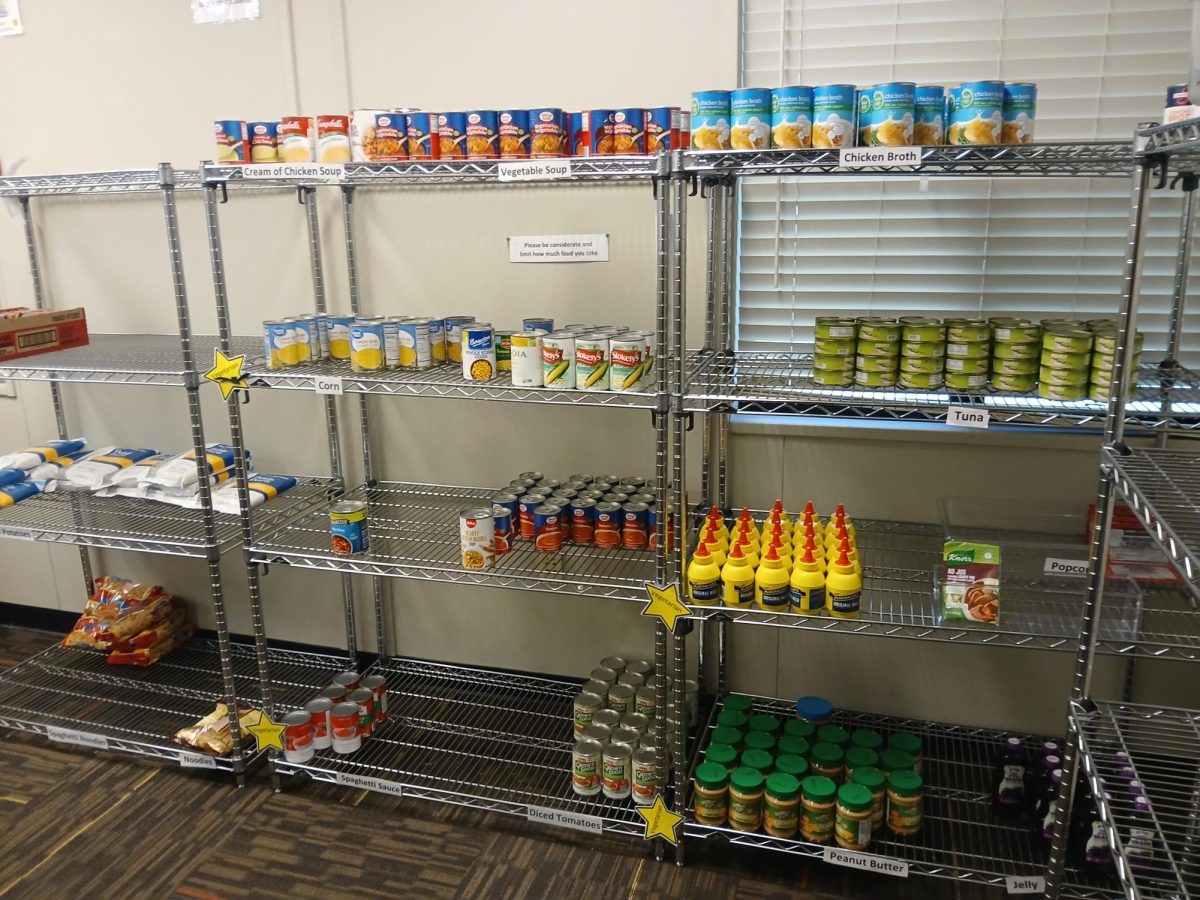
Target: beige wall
{"x": 147, "y": 88}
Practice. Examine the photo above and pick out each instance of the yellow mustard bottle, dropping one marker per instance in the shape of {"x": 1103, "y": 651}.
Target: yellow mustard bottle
{"x": 807, "y": 585}
{"x": 703, "y": 579}
{"x": 782, "y": 551}
{"x": 749, "y": 550}
{"x": 818, "y": 554}
{"x": 779, "y": 514}
{"x": 843, "y": 589}
{"x": 716, "y": 519}
{"x": 745, "y": 522}
{"x": 804, "y": 534}
{"x": 812, "y": 521}
{"x": 775, "y": 536}
{"x": 737, "y": 580}
{"x": 851, "y": 553}
{"x": 834, "y": 537}
{"x": 771, "y": 587}
{"x": 716, "y": 552}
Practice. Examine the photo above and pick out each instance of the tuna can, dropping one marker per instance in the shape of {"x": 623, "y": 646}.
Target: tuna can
{"x": 827, "y": 347}
{"x": 878, "y": 364}
{"x": 608, "y": 523}
{"x": 298, "y": 735}
{"x": 514, "y": 133}
{"x": 833, "y": 115}
{"x": 878, "y": 348}
{"x": 978, "y": 115}
{"x": 1063, "y": 392}
{"x": 481, "y": 134}
{"x": 297, "y": 139}
{"x": 929, "y": 115}
{"x": 333, "y": 139}
{"x": 318, "y": 712}
{"x": 962, "y": 381}
{"x": 366, "y": 345}
{"x": 348, "y": 527}
{"x": 635, "y": 526}
{"x": 921, "y": 381}
{"x": 627, "y": 361}
{"x": 1014, "y": 366}
{"x": 591, "y": 362}
{"x": 1020, "y": 109}
{"x": 834, "y": 328}
{"x": 1101, "y": 393}
{"x": 968, "y": 330}
{"x": 279, "y": 345}
{"x": 629, "y": 131}
{"x": 526, "y": 358}
{"x": 1017, "y": 333}
{"x": 791, "y": 117}
{"x": 378, "y": 687}
{"x": 477, "y": 538}
{"x": 547, "y": 528}
{"x": 343, "y": 719}
{"x": 645, "y": 777}
{"x": 547, "y": 133}
{"x": 264, "y": 138}
{"x": 1005, "y": 350}
{"x": 888, "y": 111}
{"x": 526, "y": 505}
{"x": 1063, "y": 360}
{"x": 232, "y": 141}
{"x": 967, "y": 366}
{"x": 923, "y": 330}
{"x": 582, "y": 513}
{"x": 504, "y": 351}
{"x": 364, "y": 703}
{"x": 873, "y": 328}
{"x": 923, "y": 365}
{"x": 1016, "y": 384}
{"x": 662, "y": 129}
{"x": 558, "y": 360}
{"x": 1067, "y": 340}
{"x": 478, "y": 352}
{"x": 424, "y": 138}
{"x": 926, "y": 350}
{"x": 452, "y": 135}
{"x": 1063, "y": 377}
{"x": 827, "y": 378}
{"x": 586, "y": 768}
{"x": 969, "y": 349}
{"x": 875, "y": 379}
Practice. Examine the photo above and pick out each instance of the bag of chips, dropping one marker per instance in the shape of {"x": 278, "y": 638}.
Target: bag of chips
{"x": 211, "y": 734}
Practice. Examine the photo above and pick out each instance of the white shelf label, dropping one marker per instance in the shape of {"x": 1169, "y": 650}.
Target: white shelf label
{"x": 553, "y": 248}
{"x": 294, "y": 171}
{"x": 16, "y": 534}
{"x": 331, "y": 384}
{"x": 879, "y": 157}
{"x": 534, "y": 170}
{"x": 367, "y": 783}
{"x": 866, "y": 862}
{"x": 1075, "y": 568}
{"x": 79, "y": 738}
{"x": 196, "y": 761}
{"x": 562, "y": 819}
{"x": 1025, "y": 884}
{"x": 967, "y": 417}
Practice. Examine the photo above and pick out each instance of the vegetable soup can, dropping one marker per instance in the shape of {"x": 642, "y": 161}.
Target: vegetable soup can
{"x": 452, "y": 135}
{"x": 514, "y": 133}
{"x": 348, "y": 527}
{"x": 629, "y": 131}
{"x": 482, "y": 126}
{"x": 547, "y": 133}
{"x": 662, "y": 129}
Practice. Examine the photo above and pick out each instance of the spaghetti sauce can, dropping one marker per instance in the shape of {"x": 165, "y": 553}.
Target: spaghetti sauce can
{"x": 364, "y": 701}
{"x": 343, "y": 723}
{"x": 348, "y": 527}
{"x": 378, "y": 687}
{"x": 318, "y": 711}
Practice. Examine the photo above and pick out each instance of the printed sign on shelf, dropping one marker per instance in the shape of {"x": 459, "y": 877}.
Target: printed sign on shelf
{"x": 879, "y": 157}
{"x": 328, "y": 384}
{"x": 10, "y": 19}
{"x": 550, "y": 248}
{"x": 78, "y": 738}
{"x": 533, "y": 170}
{"x": 1025, "y": 884}
{"x": 16, "y": 534}
{"x": 293, "y": 171}
{"x": 562, "y": 819}
{"x": 196, "y": 761}
{"x": 866, "y": 862}
{"x": 219, "y": 12}
{"x": 967, "y": 417}
{"x": 1075, "y": 568}
{"x": 370, "y": 784}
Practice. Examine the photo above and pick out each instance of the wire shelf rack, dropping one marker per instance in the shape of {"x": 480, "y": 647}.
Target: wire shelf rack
{"x": 781, "y": 383}
{"x": 122, "y": 181}
{"x": 1093, "y": 158}
{"x": 1175, "y": 138}
{"x": 1163, "y": 748}
{"x": 414, "y": 534}
{"x": 129, "y": 523}
{"x": 137, "y": 710}
{"x": 145, "y": 359}
{"x": 1162, "y": 487}
{"x": 481, "y": 738}
{"x": 960, "y": 837}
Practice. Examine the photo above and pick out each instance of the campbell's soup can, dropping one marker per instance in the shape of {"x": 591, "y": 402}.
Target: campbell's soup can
{"x": 607, "y": 534}
{"x": 547, "y": 132}
{"x": 514, "y": 133}
{"x": 452, "y": 135}
{"x": 298, "y": 737}
{"x": 297, "y": 139}
{"x": 978, "y": 116}
{"x": 333, "y": 139}
{"x": 547, "y": 528}
{"x": 662, "y": 129}
{"x": 231, "y": 141}
{"x": 318, "y": 711}
{"x": 482, "y": 134}
{"x": 423, "y": 139}
{"x": 582, "y": 511}
{"x": 364, "y": 700}
{"x": 378, "y": 687}
{"x": 629, "y": 131}
{"x": 343, "y": 720}
{"x": 477, "y": 536}
{"x": 527, "y": 504}
{"x": 264, "y": 138}
{"x": 597, "y": 133}
{"x": 362, "y": 134}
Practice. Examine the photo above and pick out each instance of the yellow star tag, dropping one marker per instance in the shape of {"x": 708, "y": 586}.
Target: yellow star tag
{"x": 664, "y": 604}
{"x": 266, "y": 732}
{"x": 226, "y": 373}
{"x": 660, "y": 821}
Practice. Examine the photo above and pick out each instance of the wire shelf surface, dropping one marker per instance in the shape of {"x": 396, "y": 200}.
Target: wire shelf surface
{"x": 414, "y": 533}
{"x": 1163, "y": 748}
{"x": 781, "y": 383}
{"x": 121, "y": 181}
{"x": 473, "y": 737}
{"x": 1174, "y": 139}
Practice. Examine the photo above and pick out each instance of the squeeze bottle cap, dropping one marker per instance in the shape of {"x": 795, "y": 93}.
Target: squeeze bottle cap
{"x": 777, "y": 509}
{"x": 771, "y": 555}
{"x": 776, "y": 543}
{"x": 809, "y": 512}
{"x": 844, "y": 546}
{"x": 840, "y": 512}
{"x": 714, "y": 513}
{"x": 843, "y": 559}
{"x": 808, "y": 556}
{"x": 810, "y": 545}
{"x": 711, "y": 532}
{"x": 809, "y": 533}
{"x": 777, "y": 530}
{"x": 842, "y": 534}
{"x": 744, "y": 515}
{"x": 736, "y": 552}
{"x": 702, "y": 551}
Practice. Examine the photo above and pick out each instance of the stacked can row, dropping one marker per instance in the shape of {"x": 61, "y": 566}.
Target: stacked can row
{"x": 891, "y": 114}
{"x": 340, "y": 717}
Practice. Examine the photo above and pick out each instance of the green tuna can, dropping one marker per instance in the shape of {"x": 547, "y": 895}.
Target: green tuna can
{"x": 963, "y": 382}
{"x": 833, "y": 347}
{"x": 1014, "y": 366}
{"x": 1099, "y": 392}
{"x": 1056, "y": 359}
{"x": 926, "y": 350}
{"x": 824, "y": 363}
{"x": 968, "y": 330}
{"x": 926, "y": 331}
{"x": 921, "y": 381}
{"x": 969, "y": 349}
{"x": 1063, "y": 377}
{"x": 1064, "y": 392}
{"x": 876, "y": 364}
{"x": 923, "y": 365}
{"x": 872, "y": 328}
{"x": 875, "y": 379}
{"x": 834, "y": 328}
{"x": 1067, "y": 340}
{"x": 1016, "y": 384}
{"x": 878, "y": 348}
{"x": 827, "y": 378}
{"x": 1017, "y": 333}
{"x": 1060, "y": 323}
{"x": 967, "y": 366}
{"x": 1098, "y": 325}
{"x": 1107, "y": 343}
{"x": 1004, "y": 350}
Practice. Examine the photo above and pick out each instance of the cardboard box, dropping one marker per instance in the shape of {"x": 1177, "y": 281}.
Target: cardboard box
{"x": 35, "y": 332}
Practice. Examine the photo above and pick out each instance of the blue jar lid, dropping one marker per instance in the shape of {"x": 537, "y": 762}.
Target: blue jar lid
{"x": 814, "y": 709}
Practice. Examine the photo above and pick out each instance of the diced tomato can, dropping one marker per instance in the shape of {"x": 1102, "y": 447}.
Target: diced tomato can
{"x": 662, "y": 129}
{"x": 347, "y": 681}
{"x": 528, "y": 503}
{"x": 378, "y": 687}
{"x": 298, "y": 737}
{"x": 364, "y": 701}
{"x": 452, "y": 134}
{"x": 597, "y": 125}
{"x": 343, "y": 719}
{"x": 635, "y": 525}
{"x": 514, "y": 133}
{"x": 608, "y": 525}
{"x": 583, "y": 520}
{"x": 424, "y": 140}
{"x": 629, "y": 134}
{"x": 335, "y": 694}
{"x": 547, "y": 133}
{"x": 232, "y": 141}
{"x": 318, "y": 711}
{"x": 481, "y": 132}
{"x": 547, "y": 527}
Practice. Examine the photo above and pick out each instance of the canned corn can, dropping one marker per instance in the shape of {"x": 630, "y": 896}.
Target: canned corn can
{"x": 1020, "y": 109}
{"x": 558, "y": 360}
{"x": 481, "y": 134}
{"x": 339, "y": 336}
{"x": 1067, "y": 340}
{"x": 968, "y": 330}
{"x": 791, "y": 117}
{"x": 348, "y": 527}
{"x": 969, "y": 349}
{"x": 1063, "y": 392}
{"x": 477, "y": 538}
{"x": 504, "y": 351}
{"x": 923, "y": 350}
{"x": 391, "y": 342}
{"x": 967, "y": 366}
{"x": 1014, "y": 366}
{"x": 232, "y": 141}
{"x": 873, "y": 328}
{"x": 478, "y": 352}
{"x": 978, "y": 114}
{"x": 322, "y": 321}
{"x": 514, "y": 133}
{"x": 1015, "y": 384}
{"x": 912, "y": 365}
{"x": 828, "y": 347}
{"x": 591, "y": 362}
{"x": 876, "y": 364}
{"x": 424, "y": 138}
{"x": 1063, "y": 377}
{"x": 452, "y": 135}
{"x": 437, "y": 340}
{"x": 887, "y": 110}
{"x": 833, "y": 115}
{"x": 875, "y": 379}
{"x": 627, "y": 362}
{"x": 635, "y": 525}
{"x": 929, "y": 115}
{"x": 963, "y": 381}
{"x": 307, "y": 336}
{"x": 834, "y": 328}
{"x": 415, "y": 344}
{"x": 1005, "y": 350}
{"x": 453, "y": 334}
{"x": 264, "y": 138}
{"x": 1063, "y": 360}
{"x": 823, "y": 363}
{"x": 828, "y": 378}
{"x": 526, "y": 358}
{"x": 1017, "y": 333}
{"x": 279, "y": 345}
{"x": 921, "y": 381}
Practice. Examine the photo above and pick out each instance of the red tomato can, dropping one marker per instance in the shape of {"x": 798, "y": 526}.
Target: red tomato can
{"x": 608, "y": 525}
{"x": 547, "y": 525}
{"x": 583, "y": 520}
{"x": 482, "y": 134}
{"x": 347, "y": 681}
{"x": 335, "y": 694}
{"x": 298, "y": 737}
{"x": 377, "y": 685}
{"x": 662, "y": 129}
{"x": 629, "y": 131}
{"x": 318, "y": 712}
{"x": 597, "y": 127}
{"x": 528, "y": 503}
{"x": 364, "y": 701}
{"x": 547, "y": 133}
{"x": 635, "y": 525}
{"x": 343, "y": 719}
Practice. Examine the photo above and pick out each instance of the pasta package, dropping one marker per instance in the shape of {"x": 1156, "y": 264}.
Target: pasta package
{"x": 261, "y": 489}
{"x": 98, "y": 469}
{"x": 182, "y": 470}
{"x": 151, "y": 653}
{"x": 23, "y": 490}
{"x": 55, "y": 469}
{"x": 47, "y": 452}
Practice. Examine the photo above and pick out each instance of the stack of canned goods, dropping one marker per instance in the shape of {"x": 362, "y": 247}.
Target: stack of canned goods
{"x": 968, "y": 347}
{"x": 834, "y": 347}
{"x": 1104, "y": 353}
{"x": 923, "y": 361}
{"x": 877, "y": 350}
{"x": 1015, "y": 351}
{"x": 339, "y": 717}
{"x": 1066, "y": 360}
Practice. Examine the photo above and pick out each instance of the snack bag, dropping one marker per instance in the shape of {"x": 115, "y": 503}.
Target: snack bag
{"x": 154, "y": 634}
{"x": 99, "y": 467}
{"x": 971, "y": 588}
{"x": 47, "y": 452}
{"x": 144, "y": 656}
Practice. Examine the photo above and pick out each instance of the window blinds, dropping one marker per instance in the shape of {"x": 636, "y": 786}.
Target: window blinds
{"x": 1033, "y": 246}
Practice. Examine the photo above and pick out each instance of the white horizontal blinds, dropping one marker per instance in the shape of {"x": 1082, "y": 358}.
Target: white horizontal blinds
{"x": 1022, "y": 246}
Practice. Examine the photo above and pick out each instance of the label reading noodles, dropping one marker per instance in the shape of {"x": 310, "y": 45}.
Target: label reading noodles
{"x": 78, "y": 738}
{"x": 196, "y": 761}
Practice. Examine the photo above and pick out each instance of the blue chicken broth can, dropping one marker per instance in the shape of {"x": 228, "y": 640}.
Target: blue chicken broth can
{"x": 1020, "y": 108}
{"x": 791, "y": 117}
{"x": 887, "y": 110}
{"x": 978, "y": 115}
{"x": 833, "y": 115}
{"x": 929, "y": 114}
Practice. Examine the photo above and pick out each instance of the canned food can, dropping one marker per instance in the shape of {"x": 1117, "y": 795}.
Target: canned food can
{"x": 526, "y": 358}
{"x": 878, "y": 330}
{"x": 635, "y": 525}
{"x": 503, "y": 525}
{"x": 629, "y": 131}
{"x": 1067, "y": 340}
{"x": 888, "y": 110}
{"x": 875, "y": 364}
{"x": 1016, "y": 384}
{"x": 970, "y": 331}
{"x": 965, "y": 382}
{"x": 298, "y": 735}
{"x": 833, "y": 115}
{"x": 506, "y": 501}
{"x": 662, "y": 129}
{"x": 875, "y": 379}
{"x": 547, "y": 528}
{"x": 334, "y": 693}
{"x": 621, "y": 698}
{"x": 586, "y": 705}
{"x": 537, "y": 324}
{"x": 598, "y": 733}
{"x": 347, "y": 681}
{"x": 926, "y": 330}
{"x": 333, "y": 139}
{"x": 504, "y": 351}
{"x": 1017, "y": 333}
{"x": 478, "y": 352}
{"x": 424, "y": 140}
{"x": 1063, "y": 392}
{"x": 558, "y": 360}
{"x": 264, "y": 137}
{"x": 929, "y": 115}
{"x": 1014, "y": 366}
{"x": 645, "y": 776}
{"x": 920, "y": 381}
{"x": 389, "y": 142}
{"x": 514, "y": 133}
{"x": 453, "y": 336}
{"x": 922, "y": 365}
{"x": 833, "y": 347}
{"x": 1020, "y": 110}
{"x": 477, "y": 538}
{"x": 591, "y": 362}
{"x": 823, "y": 363}
{"x": 378, "y": 687}
{"x": 547, "y": 133}
{"x": 452, "y": 133}
{"x": 364, "y": 702}
{"x": 834, "y": 378}
{"x": 644, "y": 702}
{"x": 582, "y": 512}
{"x": 608, "y": 524}
{"x": 338, "y": 329}
{"x": 297, "y": 139}
{"x": 576, "y": 137}
{"x": 232, "y": 140}
{"x": 616, "y": 497}
{"x": 528, "y": 503}
{"x": 923, "y": 350}
{"x": 586, "y": 768}
{"x": 627, "y": 361}
{"x": 1063, "y": 377}
{"x": 366, "y": 345}
{"x": 968, "y": 349}
{"x": 391, "y": 343}
{"x": 307, "y": 339}
{"x": 978, "y": 114}
{"x": 791, "y": 117}
{"x": 618, "y": 771}
{"x": 279, "y": 345}
{"x": 343, "y": 720}
{"x": 348, "y": 527}
{"x": 967, "y": 366}
{"x": 625, "y": 737}
{"x": 583, "y": 477}
{"x": 482, "y": 134}
{"x": 878, "y": 348}
{"x": 318, "y": 711}
{"x": 1064, "y": 360}
{"x": 1002, "y": 350}
{"x": 437, "y": 340}
{"x": 363, "y": 146}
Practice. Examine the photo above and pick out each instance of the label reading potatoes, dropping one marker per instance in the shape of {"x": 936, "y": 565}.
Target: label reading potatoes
{"x": 78, "y": 738}
{"x": 328, "y": 384}
{"x": 533, "y": 170}
{"x": 1076, "y": 568}
{"x": 966, "y": 417}
{"x": 564, "y": 819}
{"x": 16, "y": 534}
{"x": 294, "y": 171}
{"x": 879, "y": 157}
{"x": 367, "y": 783}
{"x": 865, "y": 861}
{"x": 537, "y": 248}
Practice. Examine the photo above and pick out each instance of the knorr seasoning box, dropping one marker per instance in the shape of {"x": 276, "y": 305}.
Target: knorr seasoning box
{"x": 971, "y": 587}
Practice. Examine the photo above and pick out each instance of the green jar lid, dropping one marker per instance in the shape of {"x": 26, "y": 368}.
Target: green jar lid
{"x": 711, "y": 775}
{"x": 746, "y": 779}
{"x": 794, "y": 746}
{"x": 865, "y": 737}
{"x": 723, "y": 734}
{"x": 869, "y": 777}
{"x": 763, "y": 722}
{"x": 860, "y": 757}
{"x": 760, "y": 740}
{"x": 799, "y": 728}
{"x": 903, "y": 741}
{"x": 720, "y": 753}
{"x": 833, "y": 734}
{"x": 757, "y": 759}
{"x": 905, "y": 783}
{"x": 827, "y": 755}
{"x": 854, "y": 797}
{"x": 782, "y": 786}
{"x": 732, "y": 717}
{"x": 895, "y": 760}
{"x": 739, "y": 702}
{"x": 792, "y": 765}
{"x": 818, "y": 788}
